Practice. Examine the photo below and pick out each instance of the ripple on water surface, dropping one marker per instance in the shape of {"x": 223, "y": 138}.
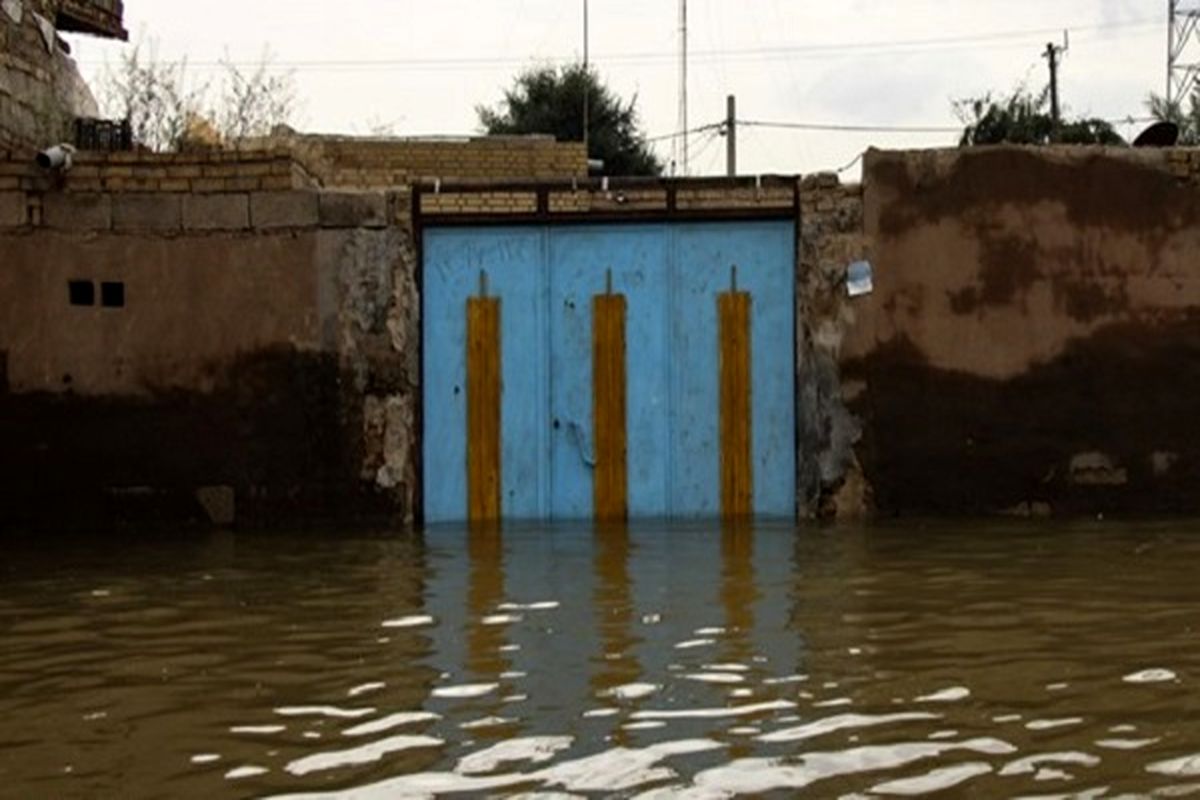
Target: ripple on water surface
{"x": 666, "y": 661}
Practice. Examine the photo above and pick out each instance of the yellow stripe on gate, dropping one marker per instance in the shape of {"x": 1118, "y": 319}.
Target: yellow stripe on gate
{"x": 610, "y": 486}
{"x": 483, "y": 408}
{"x": 737, "y": 468}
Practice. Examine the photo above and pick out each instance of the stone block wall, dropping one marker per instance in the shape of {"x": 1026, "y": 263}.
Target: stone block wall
{"x": 341, "y": 161}
{"x": 162, "y": 347}
{"x": 41, "y": 90}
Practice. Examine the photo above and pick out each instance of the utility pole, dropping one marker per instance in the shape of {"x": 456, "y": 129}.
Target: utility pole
{"x": 1052, "y": 55}
{"x": 1183, "y": 48}
{"x": 731, "y": 136}
{"x": 683, "y": 89}
{"x": 587, "y": 82}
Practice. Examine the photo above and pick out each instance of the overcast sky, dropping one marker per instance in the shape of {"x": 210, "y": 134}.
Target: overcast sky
{"x": 421, "y": 66}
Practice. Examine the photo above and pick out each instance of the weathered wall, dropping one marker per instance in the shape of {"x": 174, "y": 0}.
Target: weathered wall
{"x": 41, "y": 90}
{"x": 345, "y": 161}
{"x": 262, "y": 355}
{"x": 1033, "y": 342}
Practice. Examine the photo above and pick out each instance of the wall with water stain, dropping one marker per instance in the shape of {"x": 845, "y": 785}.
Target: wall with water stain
{"x": 220, "y": 356}
{"x": 1033, "y": 341}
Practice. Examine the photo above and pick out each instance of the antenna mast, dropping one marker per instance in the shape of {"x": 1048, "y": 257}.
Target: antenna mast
{"x": 682, "y": 139}
{"x": 1183, "y": 47}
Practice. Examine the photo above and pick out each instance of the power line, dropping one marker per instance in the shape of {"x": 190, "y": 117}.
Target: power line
{"x": 838, "y": 127}
{"x": 882, "y": 47}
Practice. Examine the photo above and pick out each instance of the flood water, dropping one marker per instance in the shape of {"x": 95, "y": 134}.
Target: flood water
{"x": 989, "y": 660}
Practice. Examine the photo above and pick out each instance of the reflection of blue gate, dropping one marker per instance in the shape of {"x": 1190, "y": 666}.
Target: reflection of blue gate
{"x": 698, "y": 328}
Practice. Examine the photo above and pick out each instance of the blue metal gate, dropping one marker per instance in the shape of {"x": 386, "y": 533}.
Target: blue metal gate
{"x": 609, "y": 370}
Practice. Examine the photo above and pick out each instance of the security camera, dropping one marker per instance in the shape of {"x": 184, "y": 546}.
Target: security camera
{"x": 57, "y": 157}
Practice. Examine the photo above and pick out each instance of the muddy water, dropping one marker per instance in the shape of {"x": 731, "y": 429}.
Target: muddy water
{"x": 979, "y": 660}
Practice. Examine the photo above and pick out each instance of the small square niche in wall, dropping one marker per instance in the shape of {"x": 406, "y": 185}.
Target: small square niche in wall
{"x": 112, "y": 294}
{"x": 81, "y": 293}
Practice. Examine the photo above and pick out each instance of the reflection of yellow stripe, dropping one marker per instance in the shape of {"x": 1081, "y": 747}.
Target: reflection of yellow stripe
{"x": 737, "y": 469}
{"x": 483, "y": 409}
{"x": 610, "y": 482}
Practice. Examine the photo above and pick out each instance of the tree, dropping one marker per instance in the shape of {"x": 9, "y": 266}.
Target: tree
{"x": 1188, "y": 120}
{"x": 168, "y": 111}
{"x": 1022, "y": 118}
{"x": 550, "y": 101}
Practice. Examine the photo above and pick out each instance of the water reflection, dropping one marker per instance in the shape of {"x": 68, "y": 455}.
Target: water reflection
{"x": 685, "y": 660}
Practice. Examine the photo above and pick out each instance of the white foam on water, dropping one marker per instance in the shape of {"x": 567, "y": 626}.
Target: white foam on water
{"x": 514, "y": 698}
{"x": 543, "y": 605}
{"x": 101, "y": 593}
{"x": 597, "y": 713}
{"x": 258, "y": 730}
{"x": 324, "y": 711}
{"x": 938, "y": 780}
{"x": 1051, "y": 724}
{"x": 486, "y": 722}
{"x": 940, "y": 736}
{"x": 414, "y": 621}
{"x": 1187, "y": 766}
{"x": 364, "y": 688}
{"x": 1007, "y": 718}
{"x": 509, "y": 648}
{"x": 465, "y": 690}
{"x": 716, "y": 677}
{"x": 1126, "y": 744}
{"x": 726, "y": 668}
{"x": 205, "y": 758}
{"x": 95, "y": 715}
{"x": 311, "y": 735}
{"x": 842, "y": 722}
{"x": 739, "y": 693}
{"x": 714, "y": 713}
{"x": 238, "y": 773}
{"x": 784, "y": 680}
{"x": 646, "y": 725}
{"x": 1051, "y": 774}
{"x": 1057, "y": 687}
{"x": 631, "y": 691}
{"x": 854, "y": 651}
{"x": 837, "y": 701}
{"x": 391, "y": 721}
{"x": 709, "y": 631}
{"x": 830, "y": 685}
{"x": 762, "y": 775}
{"x": 513, "y": 675}
{"x": 691, "y": 644}
{"x": 530, "y": 749}
{"x": 651, "y": 619}
{"x": 1031, "y": 764}
{"x": 365, "y": 754}
{"x": 951, "y": 695}
{"x": 1151, "y": 676}
{"x": 1123, "y": 729}
{"x": 501, "y": 619}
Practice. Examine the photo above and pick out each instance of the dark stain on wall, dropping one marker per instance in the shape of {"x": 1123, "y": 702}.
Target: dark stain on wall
{"x": 1116, "y": 193}
{"x": 1109, "y": 425}
{"x": 275, "y": 430}
{"x": 1008, "y": 267}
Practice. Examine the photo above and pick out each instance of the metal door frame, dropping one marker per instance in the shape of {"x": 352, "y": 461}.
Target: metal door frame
{"x": 544, "y": 217}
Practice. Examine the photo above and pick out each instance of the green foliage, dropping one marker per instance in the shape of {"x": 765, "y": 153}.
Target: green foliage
{"x": 550, "y": 101}
{"x": 1023, "y": 118}
{"x": 1188, "y": 120}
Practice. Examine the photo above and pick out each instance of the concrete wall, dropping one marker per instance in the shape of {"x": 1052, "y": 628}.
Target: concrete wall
{"x": 1033, "y": 342}
{"x": 262, "y": 362}
{"x": 41, "y": 90}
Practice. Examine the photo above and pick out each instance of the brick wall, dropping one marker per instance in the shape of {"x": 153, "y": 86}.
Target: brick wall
{"x": 41, "y": 90}
{"x": 358, "y": 162}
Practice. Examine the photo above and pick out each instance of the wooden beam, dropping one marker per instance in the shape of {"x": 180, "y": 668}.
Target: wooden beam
{"x": 610, "y": 485}
{"x": 737, "y": 467}
{"x": 483, "y": 409}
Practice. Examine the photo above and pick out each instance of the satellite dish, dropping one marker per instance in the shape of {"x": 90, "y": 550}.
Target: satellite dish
{"x": 1160, "y": 134}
